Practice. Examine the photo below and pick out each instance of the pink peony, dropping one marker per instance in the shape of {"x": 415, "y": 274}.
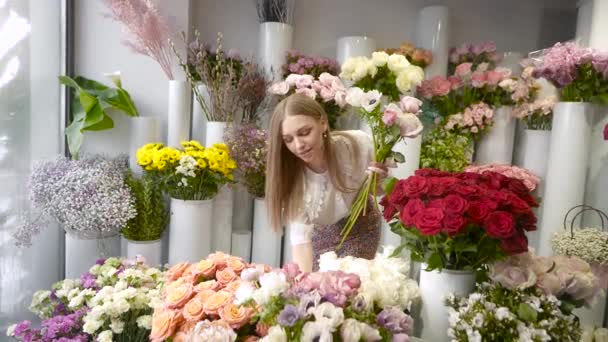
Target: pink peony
{"x": 280, "y": 88}
{"x": 463, "y": 70}
{"x": 409, "y": 125}
{"x": 512, "y": 276}
{"x": 456, "y": 82}
{"x": 308, "y": 92}
{"x": 410, "y": 104}
{"x": 440, "y": 86}
{"x": 304, "y": 81}
{"x": 478, "y": 79}
{"x": 494, "y": 77}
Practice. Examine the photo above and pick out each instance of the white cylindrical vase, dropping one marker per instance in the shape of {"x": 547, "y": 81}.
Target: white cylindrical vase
{"x": 435, "y": 287}
{"x": 533, "y": 149}
{"x": 190, "y": 230}
{"x": 214, "y": 132}
{"x": 81, "y": 254}
{"x": 432, "y": 33}
{"x": 241, "y": 244}
{"x": 496, "y": 145}
{"x": 199, "y": 119}
{"x": 178, "y": 119}
{"x": 287, "y": 255}
{"x": 144, "y": 130}
{"x": 266, "y": 243}
{"x": 275, "y": 40}
{"x": 242, "y": 209}
{"x": 151, "y": 251}
{"x": 567, "y": 165}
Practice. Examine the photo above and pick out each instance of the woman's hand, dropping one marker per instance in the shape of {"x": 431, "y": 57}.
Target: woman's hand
{"x": 381, "y": 171}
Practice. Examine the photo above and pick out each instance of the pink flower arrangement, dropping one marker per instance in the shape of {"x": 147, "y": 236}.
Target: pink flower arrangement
{"x": 298, "y": 63}
{"x": 529, "y": 179}
{"x": 327, "y": 89}
{"x": 473, "y": 53}
{"x": 474, "y": 120}
{"x": 570, "y": 279}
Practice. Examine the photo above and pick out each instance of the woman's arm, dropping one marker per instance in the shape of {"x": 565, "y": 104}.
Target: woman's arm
{"x": 301, "y": 245}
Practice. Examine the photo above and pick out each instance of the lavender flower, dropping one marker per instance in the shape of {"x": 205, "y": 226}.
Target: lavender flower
{"x": 289, "y": 316}
{"x": 88, "y": 281}
{"x": 396, "y": 321}
{"x": 58, "y": 328}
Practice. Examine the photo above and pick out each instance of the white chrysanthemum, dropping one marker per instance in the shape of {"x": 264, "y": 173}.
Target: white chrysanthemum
{"x": 105, "y": 336}
{"x": 117, "y": 326}
{"x": 145, "y": 322}
{"x": 380, "y": 58}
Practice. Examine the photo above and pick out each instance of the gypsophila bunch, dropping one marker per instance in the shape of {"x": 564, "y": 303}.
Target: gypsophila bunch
{"x": 248, "y": 146}
{"x": 496, "y": 313}
{"x": 475, "y": 54}
{"x": 113, "y": 301}
{"x": 301, "y": 64}
{"x": 589, "y": 244}
{"x": 194, "y": 173}
{"x": 88, "y": 197}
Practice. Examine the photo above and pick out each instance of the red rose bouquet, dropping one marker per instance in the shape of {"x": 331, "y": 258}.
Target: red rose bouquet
{"x": 460, "y": 220}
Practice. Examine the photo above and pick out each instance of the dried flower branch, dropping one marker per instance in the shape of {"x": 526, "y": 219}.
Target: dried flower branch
{"x": 280, "y": 11}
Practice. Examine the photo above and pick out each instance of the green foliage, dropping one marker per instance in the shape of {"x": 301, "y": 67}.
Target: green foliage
{"x": 152, "y": 215}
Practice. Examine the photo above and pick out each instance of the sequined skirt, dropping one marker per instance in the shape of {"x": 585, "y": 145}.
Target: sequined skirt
{"x": 362, "y": 242}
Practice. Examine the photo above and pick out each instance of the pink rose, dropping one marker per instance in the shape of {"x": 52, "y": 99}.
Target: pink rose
{"x": 489, "y": 47}
{"x": 550, "y": 284}
{"x": 410, "y": 104}
{"x": 291, "y": 79}
{"x": 304, "y": 81}
{"x": 308, "y": 92}
{"x": 456, "y": 82}
{"x": 280, "y": 88}
{"x": 389, "y": 117}
{"x": 505, "y": 72}
{"x": 291, "y": 270}
{"x": 409, "y": 125}
{"x": 478, "y": 79}
{"x": 441, "y": 86}
{"x": 512, "y": 276}
{"x": 463, "y": 70}
{"x": 328, "y": 79}
{"x": 327, "y": 94}
{"x": 494, "y": 77}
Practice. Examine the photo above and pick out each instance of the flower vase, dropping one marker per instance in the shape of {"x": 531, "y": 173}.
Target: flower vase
{"x": 275, "y": 40}
{"x": 190, "y": 230}
{"x": 81, "y": 253}
{"x": 432, "y": 33}
{"x": 496, "y": 145}
{"x": 533, "y": 149}
{"x": 266, "y": 243}
{"x": 144, "y": 130}
{"x": 241, "y": 244}
{"x": 567, "y": 164}
{"x": 435, "y": 287}
{"x": 151, "y": 251}
{"x": 223, "y": 201}
{"x": 178, "y": 119}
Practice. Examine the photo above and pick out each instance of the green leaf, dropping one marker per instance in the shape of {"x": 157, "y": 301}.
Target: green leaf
{"x": 465, "y": 247}
{"x": 526, "y": 312}
{"x": 94, "y": 114}
{"x": 435, "y": 262}
{"x": 87, "y": 101}
{"x": 399, "y": 157}
{"x": 389, "y": 185}
{"x": 105, "y": 123}
{"x": 397, "y": 252}
{"x": 74, "y": 134}
{"x": 68, "y": 82}
{"x": 122, "y": 101}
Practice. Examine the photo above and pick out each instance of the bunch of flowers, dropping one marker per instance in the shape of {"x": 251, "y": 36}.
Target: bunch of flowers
{"x": 389, "y": 124}
{"x": 529, "y": 179}
{"x": 198, "y": 300}
{"x": 251, "y": 93}
{"x": 152, "y": 213}
{"x": 391, "y": 75}
{"x": 416, "y": 56}
{"x": 460, "y": 220}
{"x": 322, "y": 305}
{"x": 496, "y": 313}
{"x": 473, "y": 53}
{"x": 248, "y": 146}
{"x": 88, "y": 197}
{"x": 196, "y": 173}
{"x": 588, "y": 244}
{"x": 568, "y": 278}
{"x": 301, "y": 64}
{"x": 112, "y": 302}
{"x": 446, "y": 151}
{"x": 537, "y": 114}
{"x": 580, "y": 74}
{"x": 328, "y": 90}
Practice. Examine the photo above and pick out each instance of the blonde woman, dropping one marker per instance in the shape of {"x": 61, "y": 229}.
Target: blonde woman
{"x": 312, "y": 179}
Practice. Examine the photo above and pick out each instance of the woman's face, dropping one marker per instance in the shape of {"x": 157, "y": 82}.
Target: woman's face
{"x": 303, "y": 136}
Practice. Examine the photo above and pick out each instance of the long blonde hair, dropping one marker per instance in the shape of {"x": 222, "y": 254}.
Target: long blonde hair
{"x": 285, "y": 171}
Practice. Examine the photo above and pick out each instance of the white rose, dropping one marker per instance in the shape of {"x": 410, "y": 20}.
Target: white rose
{"x": 372, "y": 69}
{"x": 397, "y": 63}
{"x": 348, "y": 68}
{"x": 379, "y": 58}
{"x": 361, "y": 71}
{"x": 105, "y": 336}
{"x": 91, "y": 325}
{"x": 275, "y": 334}
{"x": 409, "y": 77}
{"x": 275, "y": 282}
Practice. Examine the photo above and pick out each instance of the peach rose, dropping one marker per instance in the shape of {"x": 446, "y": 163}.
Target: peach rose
{"x": 180, "y": 337}
{"x": 173, "y": 285}
{"x": 225, "y": 276}
{"x": 233, "y": 286}
{"x": 187, "y": 326}
{"x": 236, "y": 264}
{"x": 178, "y": 296}
{"x": 216, "y": 301}
{"x": 176, "y": 271}
{"x": 206, "y": 268}
{"x": 193, "y": 310}
{"x": 220, "y": 259}
{"x": 204, "y": 295}
{"x": 164, "y": 323}
{"x": 207, "y": 285}
{"x": 236, "y": 316}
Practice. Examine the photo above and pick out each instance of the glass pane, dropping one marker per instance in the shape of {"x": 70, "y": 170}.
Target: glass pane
{"x": 30, "y": 61}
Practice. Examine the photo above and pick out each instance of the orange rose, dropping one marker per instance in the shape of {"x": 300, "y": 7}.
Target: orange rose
{"x": 193, "y": 310}
{"x": 204, "y": 295}
{"x": 179, "y": 295}
{"x": 205, "y": 268}
{"x": 236, "y": 316}
{"x": 164, "y": 323}
{"x": 207, "y": 285}
{"x": 233, "y": 286}
{"x": 216, "y": 301}
{"x": 176, "y": 271}
{"x": 225, "y": 276}
{"x": 220, "y": 259}
{"x": 236, "y": 264}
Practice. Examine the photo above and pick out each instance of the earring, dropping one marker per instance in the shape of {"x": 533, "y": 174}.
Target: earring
{"x": 325, "y": 134}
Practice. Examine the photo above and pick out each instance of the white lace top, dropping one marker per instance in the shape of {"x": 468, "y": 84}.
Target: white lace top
{"x": 323, "y": 203}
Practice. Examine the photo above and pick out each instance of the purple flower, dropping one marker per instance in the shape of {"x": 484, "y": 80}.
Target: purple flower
{"x": 309, "y": 300}
{"x": 88, "y": 281}
{"x": 100, "y": 261}
{"x": 396, "y": 321}
{"x": 289, "y": 316}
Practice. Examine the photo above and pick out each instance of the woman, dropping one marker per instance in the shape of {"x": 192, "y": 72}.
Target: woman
{"x": 312, "y": 179}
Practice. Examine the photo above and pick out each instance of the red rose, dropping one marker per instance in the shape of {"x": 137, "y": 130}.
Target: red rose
{"x": 436, "y": 203}
{"x": 517, "y": 204}
{"x": 532, "y": 202}
{"x": 453, "y": 224}
{"x": 495, "y": 180}
{"x": 415, "y": 186}
{"x": 455, "y": 204}
{"x": 428, "y": 221}
{"x": 436, "y": 187}
{"x": 466, "y": 191}
{"x": 389, "y": 212}
{"x": 500, "y": 224}
{"x": 431, "y": 173}
{"x": 398, "y": 198}
{"x": 498, "y": 196}
{"x": 518, "y": 243}
{"x": 469, "y": 178}
{"x": 478, "y": 211}
{"x": 410, "y": 210}
{"x": 527, "y": 221}
{"x": 518, "y": 187}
